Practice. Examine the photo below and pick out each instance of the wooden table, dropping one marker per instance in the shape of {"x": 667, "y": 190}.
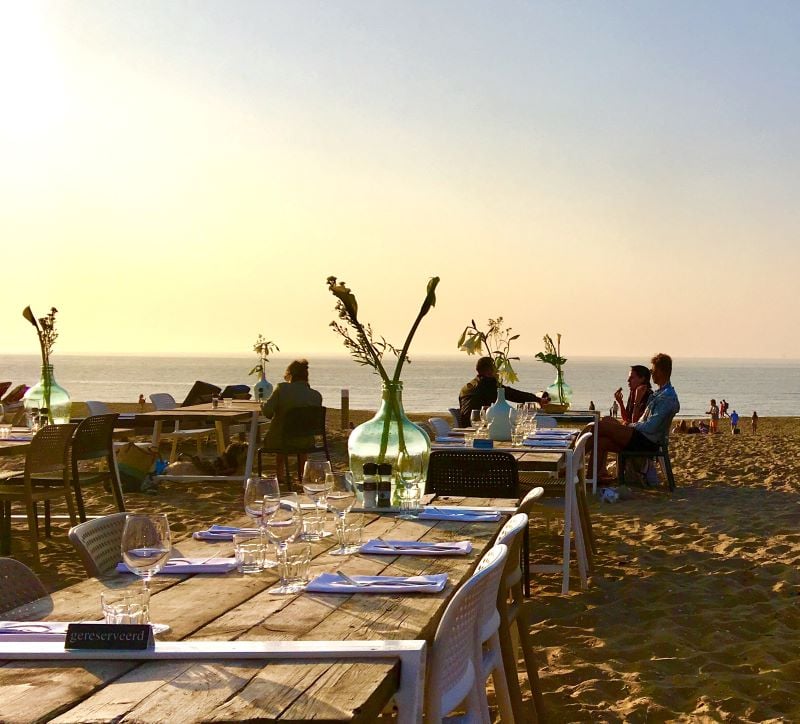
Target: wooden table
{"x": 238, "y": 607}
{"x": 242, "y": 411}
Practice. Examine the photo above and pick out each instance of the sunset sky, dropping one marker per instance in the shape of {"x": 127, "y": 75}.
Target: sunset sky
{"x": 177, "y": 177}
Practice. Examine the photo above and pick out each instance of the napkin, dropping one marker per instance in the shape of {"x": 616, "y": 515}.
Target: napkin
{"x": 19, "y": 438}
{"x": 191, "y": 565}
{"x": 463, "y": 515}
{"x": 550, "y": 442}
{"x": 416, "y": 548}
{"x": 552, "y": 432}
{"x": 331, "y": 583}
{"x": 217, "y": 533}
{"x": 450, "y": 438}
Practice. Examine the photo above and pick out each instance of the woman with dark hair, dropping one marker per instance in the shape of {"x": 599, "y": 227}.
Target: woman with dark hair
{"x": 294, "y": 392}
{"x": 640, "y": 391}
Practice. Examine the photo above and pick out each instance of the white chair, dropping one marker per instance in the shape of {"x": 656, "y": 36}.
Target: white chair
{"x": 454, "y": 667}
{"x": 440, "y": 426}
{"x": 515, "y": 626}
{"x": 101, "y": 408}
{"x": 165, "y": 401}
{"x": 577, "y": 527}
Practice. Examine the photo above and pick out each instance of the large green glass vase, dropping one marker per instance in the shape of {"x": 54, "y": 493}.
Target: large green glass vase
{"x": 560, "y": 392}
{"x": 49, "y": 395}
{"x": 389, "y": 439}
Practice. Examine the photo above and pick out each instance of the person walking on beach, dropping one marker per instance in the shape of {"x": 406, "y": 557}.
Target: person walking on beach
{"x": 647, "y": 434}
{"x": 723, "y": 408}
{"x": 734, "y": 422}
{"x": 754, "y": 422}
{"x": 714, "y": 412}
{"x": 482, "y": 391}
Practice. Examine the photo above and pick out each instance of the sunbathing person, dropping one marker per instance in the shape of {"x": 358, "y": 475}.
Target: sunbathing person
{"x": 648, "y": 432}
{"x": 640, "y": 391}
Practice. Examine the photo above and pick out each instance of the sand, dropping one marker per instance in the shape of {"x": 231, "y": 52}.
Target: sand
{"x": 693, "y": 610}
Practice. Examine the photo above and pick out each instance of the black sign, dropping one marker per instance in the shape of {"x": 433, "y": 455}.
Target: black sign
{"x": 123, "y": 637}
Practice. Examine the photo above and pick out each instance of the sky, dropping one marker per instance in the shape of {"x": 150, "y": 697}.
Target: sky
{"x": 178, "y": 177}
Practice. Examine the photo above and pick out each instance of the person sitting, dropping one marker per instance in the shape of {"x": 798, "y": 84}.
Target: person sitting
{"x": 294, "y": 392}
{"x": 649, "y": 431}
{"x": 640, "y": 391}
{"x": 482, "y": 391}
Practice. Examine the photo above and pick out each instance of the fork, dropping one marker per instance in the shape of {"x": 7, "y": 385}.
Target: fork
{"x": 364, "y": 584}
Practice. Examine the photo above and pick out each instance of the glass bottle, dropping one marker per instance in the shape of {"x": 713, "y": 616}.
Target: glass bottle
{"x": 560, "y": 392}
{"x": 50, "y": 395}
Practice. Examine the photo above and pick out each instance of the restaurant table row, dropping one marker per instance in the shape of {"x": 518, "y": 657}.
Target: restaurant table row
{"x": 236, "y": 607}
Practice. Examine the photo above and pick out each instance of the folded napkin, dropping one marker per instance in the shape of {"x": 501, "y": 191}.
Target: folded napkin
{"x": 331, "y": 583}
{"x": 450, "y": 438}
{"x": 48, "y": 630}
{"x": 416, "y": 548}
{"x": 20, "y": 438}
{"x": 547, "y": 442}
{"x": 218, "y": 533}
{"x": 552, "y": 433}
{"x": 191, "y": 565}
{"x": 464, "y": 515}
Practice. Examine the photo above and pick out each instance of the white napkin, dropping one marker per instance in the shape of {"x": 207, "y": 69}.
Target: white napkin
{"x": 416, "y": 548}
{"x": 463, "y": 515}
{"x": 191, "y": 565}
{"x": 218, "y": 533}
{"x": 47, "y": 630}
{"x": 397, "y": 585}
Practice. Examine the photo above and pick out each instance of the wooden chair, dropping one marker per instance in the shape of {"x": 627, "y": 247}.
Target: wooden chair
{"x": 98, "y": 542}
{"x": 165, "y": 401}
{"x": 479, "y": 473}
{"x": 48, "y": 453}
{"x": 298, "y": 423}
{"x": 662, "y": 454}
{"x": 513, "y": 615}
{"x": 454, "y": 670}
{"x": 18, "y": 585}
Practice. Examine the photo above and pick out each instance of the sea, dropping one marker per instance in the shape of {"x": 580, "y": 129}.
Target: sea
{"x": 430, "y": 384}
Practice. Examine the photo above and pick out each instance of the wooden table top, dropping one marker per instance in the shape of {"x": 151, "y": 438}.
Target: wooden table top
{"x": 236, "y": 606}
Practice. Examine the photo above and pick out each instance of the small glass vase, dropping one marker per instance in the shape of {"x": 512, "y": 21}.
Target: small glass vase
{"x": 49, "y": 395}
{"x": 560, "y": 392}
{"x": 262, "y": 389}
{"x": 391, "y": 442}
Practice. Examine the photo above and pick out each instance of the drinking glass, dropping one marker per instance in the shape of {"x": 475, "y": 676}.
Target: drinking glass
{"x": 475, "y": 419}
{"x": 146, "y": 544}
{"x": 316, "y": 486}
{"x": 283, "y": 526}
{"x": 484, "y": 410}
{"x": 341, "y": 497}
{"x": 409, "y": 478}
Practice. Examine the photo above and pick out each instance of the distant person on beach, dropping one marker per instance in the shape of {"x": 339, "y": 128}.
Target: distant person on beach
{"x": 713, "y": 411}
{"x": 294, "y": 392}
{"x": 723, "y": 408}
{"x": 482, "y": 391}
{"x": 734, "y": 422}
{"x": 647, "y": 434}
{"x": 615, "y": 409}
{"x": 141, "y": 403}
{"x": 754, "y": 422}
{"x": 639, "y": 392}
{"x": 591, "y": 405}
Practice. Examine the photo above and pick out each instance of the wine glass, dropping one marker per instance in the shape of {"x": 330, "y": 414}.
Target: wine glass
{"x": 146, "y": 544}
{"x": 341, "y": 497}
{"x": 282, "y": 526}
{"x": 475, "y": 419}
{"x": 315, "y": 486}
{"x": 255, "y": 491}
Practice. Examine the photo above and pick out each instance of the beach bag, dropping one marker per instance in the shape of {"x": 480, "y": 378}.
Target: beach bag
{"x": 135, "y": 464}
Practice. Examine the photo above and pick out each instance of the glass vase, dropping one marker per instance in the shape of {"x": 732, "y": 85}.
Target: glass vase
{"x": 262, "y": 389}
{"x": 49, "y": 395}
{"x": 498, "y": 418}
{"x": 560, "y": 392}
{"x": 390, "y": 443}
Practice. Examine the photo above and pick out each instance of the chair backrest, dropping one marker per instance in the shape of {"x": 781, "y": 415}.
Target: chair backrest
{"x": 530, "y": 499}
{"x": 4, "y": 388}
{"x": 455, "y": 413}
{"x": 237, "y": 392}
{"x": 479, "y": 473}
{"x": 15, "y": 395}
{"x": 18, "y": 584}
{"x": 94, "y": 437}
{"x": 511, "y": 535}
{"x": 440, "y": 426}
{"x": 49, "y": 449}
{"x": 200, "y": 394}
{"x": 579, "y": 456}
{"x": 453, "y": 665}
{"x": 163, "y": 401}
{"x": 98, "y": 408}
{"x": 304, "y": 421}
{"x": 98, "y": 542}
{"x": 546, "y": 421}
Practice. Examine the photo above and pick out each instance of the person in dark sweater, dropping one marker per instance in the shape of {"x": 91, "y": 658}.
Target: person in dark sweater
{"x": 482, "y": 391}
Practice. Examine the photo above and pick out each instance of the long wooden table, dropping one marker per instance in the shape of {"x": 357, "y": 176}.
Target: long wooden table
{"x": 238, "y": 607}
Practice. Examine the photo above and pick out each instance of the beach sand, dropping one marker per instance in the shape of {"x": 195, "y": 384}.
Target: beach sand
{"x": 693, "y": 610}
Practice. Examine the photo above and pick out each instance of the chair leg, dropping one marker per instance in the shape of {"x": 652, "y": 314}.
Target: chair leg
{"x": 73, "y": 518}
{"x": 259, "y": 462}
{"x": 5, "y": 527}
{"x": 522, "y": 713}
{"x": 586, "y": 523}
{"x": 116, "y": 484}
{"x": 173, "y": 453}
{"x": 47, "y": 530}
{"x": 76, "y": 489}
{"x": 501, "y": 685}
{"x": 33, "y": 529}
{"x": 531, "y": 665}
{"x": 668, "y": 470}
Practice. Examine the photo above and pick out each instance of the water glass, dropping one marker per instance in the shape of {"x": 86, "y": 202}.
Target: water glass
{"x": 227, "y": 402}
{"x": 126, "y": 607}
{"x": 475, "y": 419}
{"x": 469, "y": 438}
{"x": 517, "y": 436}
{"x": 410, "y": 496}
{"x": 350, "y": 532}
{"x": 5, "y": 431}
{"x": 295, "y": 562}
{"x": 249, "y": 548}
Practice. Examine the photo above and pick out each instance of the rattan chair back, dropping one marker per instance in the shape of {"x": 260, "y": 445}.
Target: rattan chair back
{"x": 49, "y": 449}
{"x": 478, "y": 473}
{"x": 98, "y": 543}
{"x": 18, "y": 585}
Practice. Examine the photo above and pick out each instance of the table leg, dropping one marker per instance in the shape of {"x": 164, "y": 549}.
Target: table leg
{"x": 221, "y": 442}
{"x": 252, "y": 442}
{"x": 569, "y": 493}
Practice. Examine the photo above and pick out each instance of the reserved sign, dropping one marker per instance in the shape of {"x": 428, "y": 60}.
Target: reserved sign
{"x": 126, "y": 637}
